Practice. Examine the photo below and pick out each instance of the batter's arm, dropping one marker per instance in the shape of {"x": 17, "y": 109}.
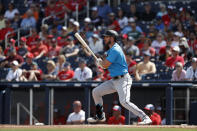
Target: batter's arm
{"x": 105, "y": 63}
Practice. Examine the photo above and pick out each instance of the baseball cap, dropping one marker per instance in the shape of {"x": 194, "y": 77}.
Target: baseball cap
{"x": 23, "y": 39}
{"x": 130, "y": 38}
{"x": 94, "y": 8}
{"x": 112, "y": 14}
{"x": 13, "y": 41}
{"x": 66, "y": 64}
{"x": 15, "y": 62}
{"x": 64, "y": 28}
{"x": 95, "y": 36}
{"x": 76, "y": 23}
{"x": 149, "y": 107}
{"x": 30, "y": 55}
{"x": 111, "y": 33}
{"x": 71, "y": 20}
{"x": 147, "y": 53}
{"x": 194, "y": 59}
{"x": 87, "y": 19}
{"x": 177, "y": 34}
{"x": 117, "y": 108}
{"x": 176, "y": 48}
{"x": 131, "y": 20}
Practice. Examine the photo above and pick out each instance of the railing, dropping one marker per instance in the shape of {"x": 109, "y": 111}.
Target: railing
{"x": 18, "y": 31}
{"x": 87, "y": 86}
{"x": 20, "y": 105}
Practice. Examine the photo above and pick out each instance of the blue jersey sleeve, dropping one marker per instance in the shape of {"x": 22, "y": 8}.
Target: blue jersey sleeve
{"x": 112, "y": 55}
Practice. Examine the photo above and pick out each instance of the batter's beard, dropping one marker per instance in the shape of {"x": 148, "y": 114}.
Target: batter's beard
{"x": 106, "y": 47}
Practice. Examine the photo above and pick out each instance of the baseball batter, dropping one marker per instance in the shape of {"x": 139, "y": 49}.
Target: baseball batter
{"x": 121, "y": 81}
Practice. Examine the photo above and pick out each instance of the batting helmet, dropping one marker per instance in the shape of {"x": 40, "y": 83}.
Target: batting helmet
{"x": 112, "y": 33}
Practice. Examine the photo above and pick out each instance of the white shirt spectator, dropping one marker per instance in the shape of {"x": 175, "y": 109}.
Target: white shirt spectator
{"x": 190, "y": 74}
{"x": 14, "y": 75}
{"x": 156, "y": 45}
{"x": 123, "y": 22}
{"x": 76, "y": 116}
{"x": 11, "y": 14}
{"x": 174, "y": 43}
{"x": 95, "y": 47}
{"x": 83, "y": 75}
{"x": 134, "y": 50}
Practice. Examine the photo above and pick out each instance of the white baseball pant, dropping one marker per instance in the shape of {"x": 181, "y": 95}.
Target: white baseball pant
{"x": 122, "y": 86}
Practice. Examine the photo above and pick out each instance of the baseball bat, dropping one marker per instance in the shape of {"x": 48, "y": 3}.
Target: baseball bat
{"x": 85, "y": 45}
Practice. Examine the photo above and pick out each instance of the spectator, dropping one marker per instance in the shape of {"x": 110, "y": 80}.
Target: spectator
{"x": 145, "y": 67}
{"x": 193, "y": 41}
{"x": 148, "y": 15}
{"x": 39, "y": 49}
{"x": 135, "y": 32}
{"x": 133, "y": 12}
{"x": 83, "y": 73}
{"x": 96, "y": 19}
{"x": 117, "y": 118}
{"x": 2, "y": 21}
{"x": 62, "y": 39}
{"x": 16, "y": 21}
{"x": 51, "y": 9}
{"x": 158, "y": 43}
{"x": 34, "y": 74}
{"x": 159, "y": 24}
{"x": 78, "y": 116}
{"x": 191, "y": 73}
{"x": 10, "y": 45}
{"x": 184, "y": 48}
{"x": 44, "y": 32}
{"x": 156, "y": 118}
{"x": 104, "y": 9}
{"x": 54, "y": 49}
{"x": 172, "y": 60}
{"x": 131, "y": 64}
{"x": 15, "y": 73}
{"x": 35, "y": 12}
{"x": 75, "y": 28}
{"x": 2, "y": 9}
{"x": 2, "y": 56}
{"x": 61, "y": 60}
{"x": 70, "y": 50}
{"x": 131, "y": 26}
{"x": 162, "y": 11}
{"x": 29, "y": 21}
{"x": 176, "y": 39}
{"x": 54, "y": 30}
{"x": 23, "y": 49}
{"x": 12, "y": 55}
{"x": 66, "y": 74}
{"x": 5, "y": 30}
{"x": 28, "y": 62}
{"x": 179, "y": 74}
{"x": 87, "y": 27}
{"x": 95, "y": 43}
{"x": 165, "y": 51}
{"x": 122, "y": 20}
{"x": 51, "y": 72}
{"x": 112, "y": 23}
{"x": 10, "y": 13}
{"x": 32, "y": 40}
{"x": 147, "y": 47}
{"x": 131, "y": 48}
{"x": 58, "y": 118}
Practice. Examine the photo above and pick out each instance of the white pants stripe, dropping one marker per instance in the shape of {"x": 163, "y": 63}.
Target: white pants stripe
{"x": 122, "y": 86}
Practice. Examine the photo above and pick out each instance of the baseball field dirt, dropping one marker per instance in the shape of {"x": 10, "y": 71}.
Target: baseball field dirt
{"x": 97, "y": 128}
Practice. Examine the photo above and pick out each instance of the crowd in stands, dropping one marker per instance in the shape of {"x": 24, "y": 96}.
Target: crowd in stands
{"x": 159, "y": 40}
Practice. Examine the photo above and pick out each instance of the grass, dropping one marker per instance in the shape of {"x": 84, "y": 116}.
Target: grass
{"x": 96, "y": 129}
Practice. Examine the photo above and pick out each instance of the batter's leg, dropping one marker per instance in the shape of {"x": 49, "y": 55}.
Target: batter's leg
{"x": 97, "y": 93}
{"x": 123, "y": 87}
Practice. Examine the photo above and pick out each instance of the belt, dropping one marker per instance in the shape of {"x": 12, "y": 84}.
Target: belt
{"x": 118, "y": 77}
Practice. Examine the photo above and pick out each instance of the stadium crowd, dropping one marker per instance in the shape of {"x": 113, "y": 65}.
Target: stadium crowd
{"x": 158, "y": 44}
{"x": 159, "y": 41}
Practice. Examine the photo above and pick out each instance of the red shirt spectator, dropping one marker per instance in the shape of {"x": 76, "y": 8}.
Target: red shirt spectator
{"x": 32, "y": 39}
{"x": 53, "y": 9}
{"x": 131, "y": 64}
{"x": 113, "y": 120}
{"x": 156, "y": 119}
{"x": 62, "y": 41}
{"x": 66, "y": 74}
{"x": 71, "y": 5}
{"x": 54, "y": 49}
{"x": 59, "y": 120}
{"x": 39, "y": 49}
{"x": 171, "y": 61}
{"x": 99, "y": 76}
{"x": 117, "y": 118}
{"x": 5, "y": 30}
{"x": 113, "y": 23}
